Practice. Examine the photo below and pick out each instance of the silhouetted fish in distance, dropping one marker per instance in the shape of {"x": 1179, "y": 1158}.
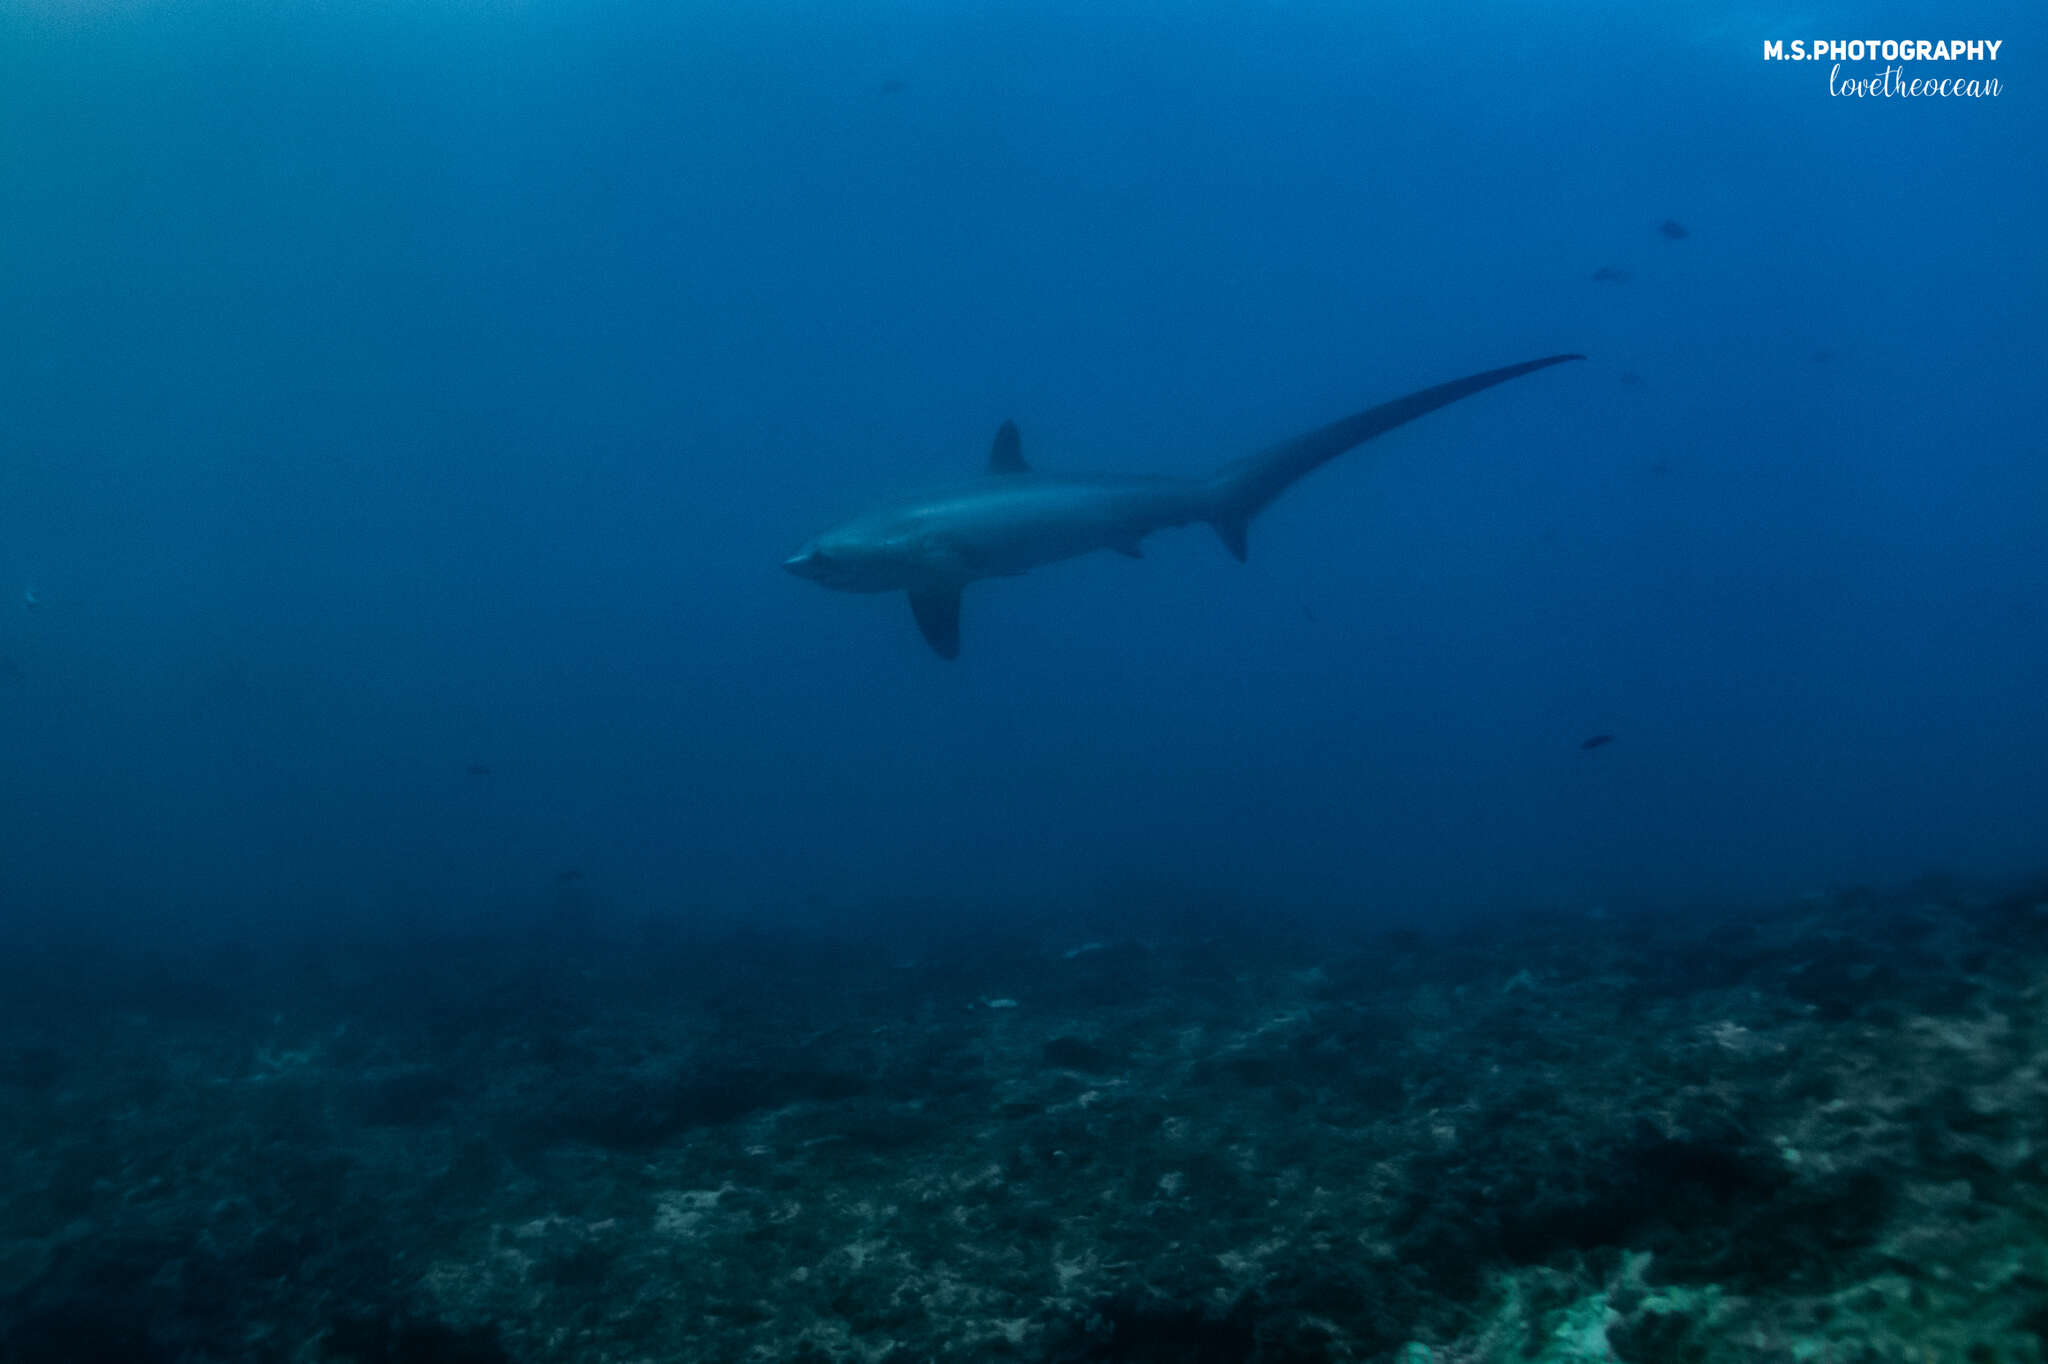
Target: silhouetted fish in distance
{"x": 1597, "y": 741}
{"x": 1610, "y": 274}
{"x": 1673, "y": 229}
{"x": 477, "y": 770}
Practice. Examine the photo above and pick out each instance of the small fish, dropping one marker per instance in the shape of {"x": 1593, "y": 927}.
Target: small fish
{"x": 1631, "y": 379}
{"x": 1823, "y": 356}
{"x": 29, "y": 598}
{"x": 569, "y": 877}
{"x": 1610, "y": 274}
{"x": 895, "y": 85}
{"x": 1597, "y": 741}
{"x": 1673, "y": 229}
{"x": 477, "y": 770}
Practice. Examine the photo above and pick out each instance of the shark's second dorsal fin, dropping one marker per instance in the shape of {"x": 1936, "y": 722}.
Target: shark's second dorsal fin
{"x": 1006, "y": 456}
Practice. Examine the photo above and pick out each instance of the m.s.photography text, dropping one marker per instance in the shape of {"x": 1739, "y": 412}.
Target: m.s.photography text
{"x": 1893, "y": 82}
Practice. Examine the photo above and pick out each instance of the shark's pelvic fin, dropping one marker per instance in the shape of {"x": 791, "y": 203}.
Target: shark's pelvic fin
{"x": 1006, "y": 456}
{"x": 938, "y": 614}
{"x": 1230, "y": 529}
{"x": 1243, "y": 488}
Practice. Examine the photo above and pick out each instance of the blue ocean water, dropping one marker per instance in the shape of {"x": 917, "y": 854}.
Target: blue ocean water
{"x": 395, "y": 388}
{"x": 407, "y": 406}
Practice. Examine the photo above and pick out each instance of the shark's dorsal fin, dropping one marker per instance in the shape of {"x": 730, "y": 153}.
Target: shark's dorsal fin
{"x": 938, "y": 616}
{"x": 1006, "y": 456}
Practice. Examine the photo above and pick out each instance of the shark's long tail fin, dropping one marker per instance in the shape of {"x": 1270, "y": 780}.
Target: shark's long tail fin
{"x": 1242, "y": 489}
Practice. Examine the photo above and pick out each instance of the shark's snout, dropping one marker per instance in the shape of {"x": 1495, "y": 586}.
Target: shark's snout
{"x": 844, "y": 565}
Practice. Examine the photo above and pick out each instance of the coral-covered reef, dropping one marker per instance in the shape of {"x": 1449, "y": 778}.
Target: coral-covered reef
{"x": 1816, "y": 1132}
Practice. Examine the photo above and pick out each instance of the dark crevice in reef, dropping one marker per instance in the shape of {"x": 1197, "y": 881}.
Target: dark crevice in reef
{"x": 382, "y": 1339}
{"x": 79, "y": 1332}
{"x": 1122, "y": 1331}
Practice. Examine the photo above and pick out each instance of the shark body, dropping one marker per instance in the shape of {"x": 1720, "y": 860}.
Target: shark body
{"x": 932, "y": 545}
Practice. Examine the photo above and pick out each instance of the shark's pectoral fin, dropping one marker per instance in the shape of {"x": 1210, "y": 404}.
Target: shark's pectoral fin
{"x": 938, "y": 616}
